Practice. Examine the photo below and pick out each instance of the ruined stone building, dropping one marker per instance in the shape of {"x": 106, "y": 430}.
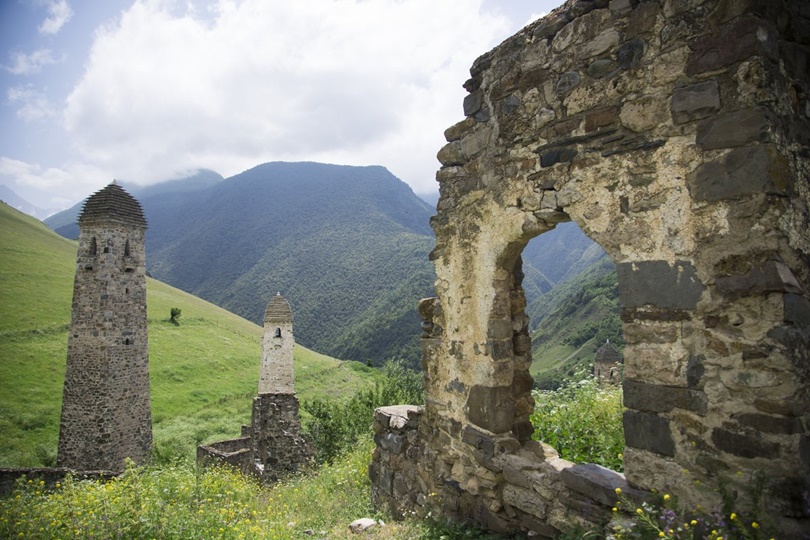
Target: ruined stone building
{"x": 106, "y": 411}
{"x": 272, "y": 446}
{"x": 676, "y": 134}
{"x": 607, "y": 363}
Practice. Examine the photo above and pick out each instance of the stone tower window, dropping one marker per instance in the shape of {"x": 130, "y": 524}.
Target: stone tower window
{"x": 93, "y": 247}
{"x": 126, "y": 249}
{"x": 278, "y": 332}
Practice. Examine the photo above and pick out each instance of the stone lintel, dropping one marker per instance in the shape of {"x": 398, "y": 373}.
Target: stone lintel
{"x": 659, "y": 398}
{"x": 658, "y": 284}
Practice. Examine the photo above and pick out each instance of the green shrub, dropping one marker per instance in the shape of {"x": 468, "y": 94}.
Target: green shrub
{"x": 334, "y": 427}
{"x": 582, "y": 421}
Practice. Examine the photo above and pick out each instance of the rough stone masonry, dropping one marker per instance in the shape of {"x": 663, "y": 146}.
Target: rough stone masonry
{"x": 106, "y": 411}
{"x": 675, "y": 134}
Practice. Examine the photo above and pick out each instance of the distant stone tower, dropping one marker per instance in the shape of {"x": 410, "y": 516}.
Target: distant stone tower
{"x": 607, "y": 363}
{"x": 277, "y": 447}
{"x": 276, "y": 376}
{"x": 106, "y": 411}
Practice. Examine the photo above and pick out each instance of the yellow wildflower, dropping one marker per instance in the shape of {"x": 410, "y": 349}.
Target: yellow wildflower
{"x": 733, "y": 516}
{"x": 666, "y": 496}
{"x": 639, "y": 511}
{"x": 618, "y": 491}
{"x": 754, "y": 525}
{"x": 661, "y": 534}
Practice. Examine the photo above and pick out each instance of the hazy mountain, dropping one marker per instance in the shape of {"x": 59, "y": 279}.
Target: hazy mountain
{"x": 164, "y": 195}
{"x": 8, "y": 196}
{"x": 347, "y": 246}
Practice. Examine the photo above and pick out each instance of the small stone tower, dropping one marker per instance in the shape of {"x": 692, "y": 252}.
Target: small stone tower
{"x": 607, "y": 363}
{"x": 276, "y": 376}
{"x": 106, "y": 410}
{"x": 277, "y": 447}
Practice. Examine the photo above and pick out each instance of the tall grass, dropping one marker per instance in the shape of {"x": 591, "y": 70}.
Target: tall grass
{"x": 582, "y": 421}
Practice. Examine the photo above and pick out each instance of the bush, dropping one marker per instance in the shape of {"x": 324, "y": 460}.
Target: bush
{"x": 582, "y": 421}
{"x": 335, "y": 428}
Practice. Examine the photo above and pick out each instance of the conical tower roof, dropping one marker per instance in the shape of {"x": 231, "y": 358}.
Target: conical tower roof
{"x": 112, "y": 204}
{"x": 278, "y": 310}
{"x": 607, "y": 354}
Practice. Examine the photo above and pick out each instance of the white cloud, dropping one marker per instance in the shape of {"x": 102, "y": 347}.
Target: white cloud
{"x": 346, "y": 81}
{"x": 59, "y": 13}
{"x": 31, "y": 104}
{"x": 534, "y": 16}
{"x": 25, "y": 64}
{"x": 63, "y": 186}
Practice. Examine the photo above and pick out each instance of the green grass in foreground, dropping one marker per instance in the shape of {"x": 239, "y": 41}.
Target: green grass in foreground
{"x": 185, "y": 502}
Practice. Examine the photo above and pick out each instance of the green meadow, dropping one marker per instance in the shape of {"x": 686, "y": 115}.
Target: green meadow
{"x": 204, "y": 371}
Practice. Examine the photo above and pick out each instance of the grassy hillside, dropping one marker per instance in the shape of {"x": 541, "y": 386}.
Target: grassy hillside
{"x": 576, "y": 319}
{"x": 204, "y": 372}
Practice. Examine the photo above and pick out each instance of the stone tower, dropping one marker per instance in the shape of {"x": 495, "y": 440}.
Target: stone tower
{"x": 106, "y": 412}
{"x": 276, "y": 376}
{"x": 607, "y": 363}
{"x": 277, "y": 447}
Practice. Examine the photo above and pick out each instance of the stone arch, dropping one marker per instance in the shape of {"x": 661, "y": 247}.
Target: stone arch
{"x": 688, "y": 166}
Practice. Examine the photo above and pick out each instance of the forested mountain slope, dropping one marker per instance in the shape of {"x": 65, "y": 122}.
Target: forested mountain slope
{"x": 347, "y": 246}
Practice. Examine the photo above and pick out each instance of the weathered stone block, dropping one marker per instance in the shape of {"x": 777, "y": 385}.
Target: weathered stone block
{"x": 733, "y": 42}
{"x": 743, "y": 171}
{"x": 566, "y": 83}
{"x": 631, "y": 53}
{"x": 650, "y": 333}
{"x": 797, "y": 310}
{"x": 766, "y": 278}
{"x": 738, "y": 128}
{"x": 648, "y": 432}
{"x": 558, "y": 155}
{"x": 659, "y": 398}
{"x": 473, "y": 102}
{"x": 658, "y": 284}
{"x": 744, "y": 445}
{"x": 694, "y": 102}
{"x": 459, "y": 130}
{"x": 642, "y": 19}
{"x": 600, "y": 67}
{"x": 450, "y": 155}
{"x": 525, "y": 500}
{"x": 766, "y": 423}
{"x": 594, "y": 481}
{"x": 599, "y": 118}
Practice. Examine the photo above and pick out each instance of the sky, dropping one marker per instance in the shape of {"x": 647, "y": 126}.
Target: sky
{"x": 145, "y": 91}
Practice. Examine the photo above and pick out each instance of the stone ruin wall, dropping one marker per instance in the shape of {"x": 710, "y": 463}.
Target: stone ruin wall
{"x": 675, "y": 134}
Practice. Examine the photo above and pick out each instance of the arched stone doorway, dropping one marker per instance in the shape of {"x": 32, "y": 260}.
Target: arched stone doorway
{"x": 674, "y": 134}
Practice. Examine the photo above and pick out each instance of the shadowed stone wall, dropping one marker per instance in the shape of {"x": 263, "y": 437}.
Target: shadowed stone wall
{"x": 675, "y": 133}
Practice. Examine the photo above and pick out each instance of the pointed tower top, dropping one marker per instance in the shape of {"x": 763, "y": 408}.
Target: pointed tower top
{"x": 278, "y": 310}
{"x": 112, "y": 204}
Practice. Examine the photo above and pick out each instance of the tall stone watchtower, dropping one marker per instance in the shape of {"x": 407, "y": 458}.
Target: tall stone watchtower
{"x": 106, "y": 411}
{"x": 276, "y": 376}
